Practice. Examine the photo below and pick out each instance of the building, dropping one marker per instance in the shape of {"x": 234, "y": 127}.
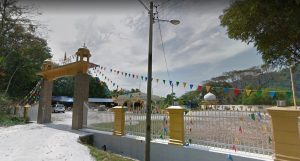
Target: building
{"x": 136, "y": 100}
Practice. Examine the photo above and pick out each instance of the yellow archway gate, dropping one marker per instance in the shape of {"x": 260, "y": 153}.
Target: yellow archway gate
{"x": 78, "y": 69}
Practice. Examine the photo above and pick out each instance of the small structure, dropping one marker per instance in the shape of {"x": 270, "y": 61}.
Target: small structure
{"x": 210, "y": 101}
{"x": 136, "y": 100}
{"x": 51, "y": 71}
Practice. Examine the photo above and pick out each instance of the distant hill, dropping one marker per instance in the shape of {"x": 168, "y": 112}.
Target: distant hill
{"x": 259, "y": 78}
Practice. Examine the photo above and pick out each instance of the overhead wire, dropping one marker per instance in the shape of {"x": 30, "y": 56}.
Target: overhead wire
{"x": 163, "y": 47}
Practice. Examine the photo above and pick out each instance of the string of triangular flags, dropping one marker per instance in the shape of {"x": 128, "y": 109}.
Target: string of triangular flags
{"x": 104, "y": 79}
{"x": 33, "y": 95}
{"x": 65, "y": 60}
{"x": 261, "y": 120}
{"x": 192, "y": 86}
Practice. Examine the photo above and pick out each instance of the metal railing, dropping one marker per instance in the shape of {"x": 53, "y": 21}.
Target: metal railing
{"x": 135, "y": 123}
{"x": 248, "y": 131}
{"x": 100, "y": 120}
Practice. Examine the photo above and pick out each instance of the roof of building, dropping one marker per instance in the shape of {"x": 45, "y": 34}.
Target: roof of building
{"x": 210, "y": 97}
{"x": 137, "y": 95}
{"x": 92, "y": 100}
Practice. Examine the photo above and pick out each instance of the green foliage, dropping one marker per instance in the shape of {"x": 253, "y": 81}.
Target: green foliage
{"x": 10, "y": 120}
{"x": 265, "y": 98}
{"x": 22, "y": 51}
{"x": 101, "y": 155}
{"x": 65, "y": 87}
{"x": 168, "y": 100}
{"x": 191, "y": 98}
{"x": 272, "y": 26}
{"x": 135, "y": 90}
{"x": 5, "y": 105}
{"x": 98, "y": 89}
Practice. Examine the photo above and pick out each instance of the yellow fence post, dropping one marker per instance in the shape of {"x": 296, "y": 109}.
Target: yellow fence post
{"x": 176, "y": 125}
{"x": 16, "y": 111}
{"x": 26, "y": 109}
{"x": 286, "y": 139}
{"x": 119, "y": 122}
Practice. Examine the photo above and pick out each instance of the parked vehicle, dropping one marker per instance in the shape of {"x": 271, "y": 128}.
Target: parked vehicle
{"x": 58, "y": 108}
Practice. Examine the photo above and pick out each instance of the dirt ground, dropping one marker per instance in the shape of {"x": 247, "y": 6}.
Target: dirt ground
{"x": 48, "y": 142}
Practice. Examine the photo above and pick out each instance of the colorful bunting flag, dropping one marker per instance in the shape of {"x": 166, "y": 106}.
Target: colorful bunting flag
{"x": 234, "y": 148}
{"x": 177, "y": 83}
{"x": 258, "y": 93}
{"x": 184, "y": 84}
{"x": 171, "y": 83}
{"x": 236, "y": 91}
{"x": 208, "y": 88}
{"x": 199, "y": 88}
{"x": 229, "y": 157}
{"x": 191, "y": 86}
{"x": 226, "y": 90}
{"x": 252, "y": 116}
{"x": 270, "y": 140}
{"x": 240, "y": 130}
{"x": 164, "y": 81}
{"x": 248, "y": 92}
{"x": 272, "y": 94}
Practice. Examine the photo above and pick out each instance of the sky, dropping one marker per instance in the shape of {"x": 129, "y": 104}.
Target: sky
{"x": 117, "y": 35}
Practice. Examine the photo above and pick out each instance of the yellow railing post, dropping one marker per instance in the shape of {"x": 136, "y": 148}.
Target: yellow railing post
{"x": 26, "y": 109}
{"x": 176, "y": 125}
{"x": 16, "y": 110}
{"x": 119, "y": 120}
{"x": 286, "y": 139}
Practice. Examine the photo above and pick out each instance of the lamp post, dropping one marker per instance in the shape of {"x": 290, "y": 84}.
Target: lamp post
{"x": 149, "y": 81}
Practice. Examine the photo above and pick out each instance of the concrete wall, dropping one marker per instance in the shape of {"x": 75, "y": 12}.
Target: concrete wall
{"x": 161, "y": 151}
{"x": 32, "y": 112}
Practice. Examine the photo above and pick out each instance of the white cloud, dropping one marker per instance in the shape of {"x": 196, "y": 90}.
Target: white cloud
{"x": 119, "y": 40}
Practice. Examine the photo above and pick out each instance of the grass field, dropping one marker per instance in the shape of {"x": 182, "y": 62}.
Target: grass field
{"x": 101, "y": 155}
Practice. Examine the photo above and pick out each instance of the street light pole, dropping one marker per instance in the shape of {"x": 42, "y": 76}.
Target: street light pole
{"x": 149, "y": 84}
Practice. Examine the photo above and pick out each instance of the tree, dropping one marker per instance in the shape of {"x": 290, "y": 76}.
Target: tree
{"x": 273, "y": 27}
{"x": 22, "y": 51}
{"x": 169, "y": 99}
{"x": 191, "y": 98}
{"x": 65, "y": 87}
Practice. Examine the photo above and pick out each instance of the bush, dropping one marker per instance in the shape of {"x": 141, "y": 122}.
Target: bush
{"x": 5, "y": 105}
{"x": 10, "y": 120}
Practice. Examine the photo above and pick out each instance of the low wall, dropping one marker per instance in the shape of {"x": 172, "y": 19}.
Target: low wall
{"x": 32, "y": 112}
{"x": 160, "y": 150}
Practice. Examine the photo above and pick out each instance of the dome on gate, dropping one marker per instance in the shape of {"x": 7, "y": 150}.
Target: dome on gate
{"x": 84, "y": 52}
{"x": 210, "y": 97}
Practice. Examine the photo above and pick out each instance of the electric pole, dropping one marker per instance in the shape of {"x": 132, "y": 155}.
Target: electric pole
{"x": 149, "y": 84}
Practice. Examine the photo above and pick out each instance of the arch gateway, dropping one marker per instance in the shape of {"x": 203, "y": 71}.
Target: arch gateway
{"x": 78, "y": 69}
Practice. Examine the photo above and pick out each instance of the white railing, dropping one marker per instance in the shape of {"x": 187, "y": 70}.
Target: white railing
{"x": 135, "y": 124}
{"x": 237, "y": 130}
{"x": 100, "y": 120}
